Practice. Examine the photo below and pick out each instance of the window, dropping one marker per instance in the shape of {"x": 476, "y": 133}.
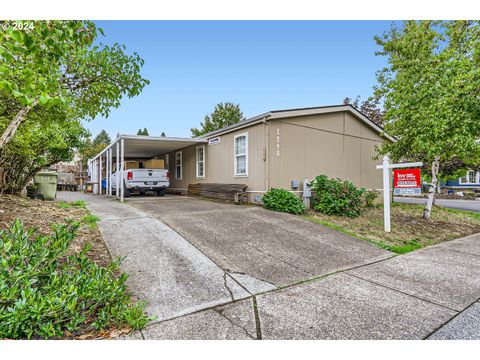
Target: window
{"x": 201, "y": 161}
{"x": 241, "y": 155}
{"x": 472, "y": 177}
{"x": 178, "y": 165}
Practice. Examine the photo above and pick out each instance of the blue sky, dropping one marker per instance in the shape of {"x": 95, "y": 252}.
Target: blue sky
{"x": 261, "y": 65}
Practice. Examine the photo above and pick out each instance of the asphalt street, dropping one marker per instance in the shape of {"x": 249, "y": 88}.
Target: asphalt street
{"x": 470, "y": 205}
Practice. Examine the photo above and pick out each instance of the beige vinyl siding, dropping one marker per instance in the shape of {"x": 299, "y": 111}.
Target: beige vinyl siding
{"x": 219, "y": 162}
{"x": 335, "y": 144}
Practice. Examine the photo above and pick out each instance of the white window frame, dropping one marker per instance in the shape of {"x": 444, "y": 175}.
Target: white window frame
{"x": 198, "y": 161}
{"x": 477, "y": 178}
{"x": 181, "y": 165}
{"x": 235, "y": 155}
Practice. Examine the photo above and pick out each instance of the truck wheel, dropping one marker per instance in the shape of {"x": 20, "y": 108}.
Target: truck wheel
{"x": 161, "y": 192}
{"x": 126, "y": 192}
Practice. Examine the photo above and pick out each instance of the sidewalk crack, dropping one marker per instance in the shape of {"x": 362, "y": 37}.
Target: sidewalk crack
{"x": 226, "y": 286}
{"x": 257, "y": 318}
{"x": 401, "y": 292}
{"x": 220, "y": 312}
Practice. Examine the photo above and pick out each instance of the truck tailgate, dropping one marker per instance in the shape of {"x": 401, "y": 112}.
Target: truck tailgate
{"x": 149, "y": 175}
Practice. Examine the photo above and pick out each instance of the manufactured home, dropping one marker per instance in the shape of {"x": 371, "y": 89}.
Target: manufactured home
{"x": 277, "y": 149}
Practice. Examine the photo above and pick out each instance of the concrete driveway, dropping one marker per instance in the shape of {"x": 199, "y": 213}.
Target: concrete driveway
{"x": 217, "y": 271}
{"x": 257, "y": 247}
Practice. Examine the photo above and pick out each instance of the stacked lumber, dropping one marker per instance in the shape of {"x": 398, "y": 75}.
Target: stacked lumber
{"x": 234, "y": 192}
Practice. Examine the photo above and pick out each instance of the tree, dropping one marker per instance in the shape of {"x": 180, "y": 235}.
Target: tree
{"x": 142, "y": 132}
{"x": 56, "y": 63}
{"x": 46, "y": 137}
{"x": 225, "y": 114}
{"x": 88, "y": 150}
{"x": 163, "y": 134}
{"x": 102, "y": 138}
{"x": 430, "y": 90}
{"x": 370, "y": 107}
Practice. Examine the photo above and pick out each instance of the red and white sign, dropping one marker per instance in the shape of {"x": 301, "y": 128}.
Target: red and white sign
{"x": 407, "y": 182}
{"x": 409, "y": 177}
{"x": 406, "y": 178}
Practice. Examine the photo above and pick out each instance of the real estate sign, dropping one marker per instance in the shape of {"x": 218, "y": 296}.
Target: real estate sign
{"x": 407, "y": 182}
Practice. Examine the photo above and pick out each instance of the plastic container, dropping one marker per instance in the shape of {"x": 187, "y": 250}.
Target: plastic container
{"x": 46, "y": 185}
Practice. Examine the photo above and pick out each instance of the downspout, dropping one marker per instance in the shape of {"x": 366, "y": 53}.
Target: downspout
{"x": 267, "y": 153}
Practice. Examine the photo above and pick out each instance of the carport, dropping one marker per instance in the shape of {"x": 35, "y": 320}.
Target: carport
{"x": 130, "y": 147}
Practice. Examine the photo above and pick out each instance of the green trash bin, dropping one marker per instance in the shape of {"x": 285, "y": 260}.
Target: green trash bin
{"x": 45, "y": 185}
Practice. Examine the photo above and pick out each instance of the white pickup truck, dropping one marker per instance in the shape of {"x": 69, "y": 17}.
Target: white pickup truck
{"x": 142, "y": 180}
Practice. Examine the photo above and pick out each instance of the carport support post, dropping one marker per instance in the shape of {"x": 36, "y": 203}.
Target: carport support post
{"x": 122, "y": 155}
{"x": 117, "y": 170}
{"x": 96, "y": 176}
{"x": 107, "y": 158}
{"x": 100, "y": 175}
{"x": 93, "y": 176}
{"x": 109, "y": 172}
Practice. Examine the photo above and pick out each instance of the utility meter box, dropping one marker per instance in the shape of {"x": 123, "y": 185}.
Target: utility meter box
{"x": 46, "y": 185}
{"x": 307, "y": 188}
{"x": 295, "y": 184}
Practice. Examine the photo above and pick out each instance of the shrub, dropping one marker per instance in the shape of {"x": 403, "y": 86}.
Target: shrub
{"x": 338, "y": 197}
{"x": 66, "y": 205}
{"x": 79, "y": 203}
{"x": 283, "y": 201}
{"x": 90, "y": 219}
{"x": 43, "y": 293}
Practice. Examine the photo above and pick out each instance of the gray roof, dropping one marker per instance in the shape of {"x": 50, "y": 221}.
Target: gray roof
{"x": 277, "y": 114}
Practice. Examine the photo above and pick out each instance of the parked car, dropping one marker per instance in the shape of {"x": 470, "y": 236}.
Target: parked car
{"x": 143, "y": 180}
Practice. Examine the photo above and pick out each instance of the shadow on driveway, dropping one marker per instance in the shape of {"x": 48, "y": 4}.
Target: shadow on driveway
{"x": 273, "y": 247}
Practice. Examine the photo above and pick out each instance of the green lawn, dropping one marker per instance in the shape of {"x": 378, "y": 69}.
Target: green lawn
{"x": 409, "y": 230}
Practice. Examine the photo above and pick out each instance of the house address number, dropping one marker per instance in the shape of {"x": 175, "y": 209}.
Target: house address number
{"x": 277, "y": 144}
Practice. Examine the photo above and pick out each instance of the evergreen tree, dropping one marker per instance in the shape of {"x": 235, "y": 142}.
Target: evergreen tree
{"x": 102, "y": 138}
{"x": 224, "y": 114}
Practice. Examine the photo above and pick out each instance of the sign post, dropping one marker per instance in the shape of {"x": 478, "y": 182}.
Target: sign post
{"x": 386, "y": 166}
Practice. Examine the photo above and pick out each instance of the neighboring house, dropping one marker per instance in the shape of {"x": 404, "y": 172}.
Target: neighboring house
{"x": 471, "y": 181}
{"x": 272, "y": 149}
{"x": 70, "y": 172}
{"x": 267, "y": 151}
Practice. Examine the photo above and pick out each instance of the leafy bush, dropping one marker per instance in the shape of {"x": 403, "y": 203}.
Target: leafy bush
{"x": 43, "y": 293}
{"x": 66, "y": 205}
{"x": 90, "y": 220}
{"x": 283, "y": 201}
{"x": 338, "y": 197}
{"x": 79, "y": 203}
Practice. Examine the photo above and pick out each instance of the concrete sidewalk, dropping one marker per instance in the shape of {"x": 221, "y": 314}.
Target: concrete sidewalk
{"x": 165, "y": 270}
{"x": 430, "y": 293}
